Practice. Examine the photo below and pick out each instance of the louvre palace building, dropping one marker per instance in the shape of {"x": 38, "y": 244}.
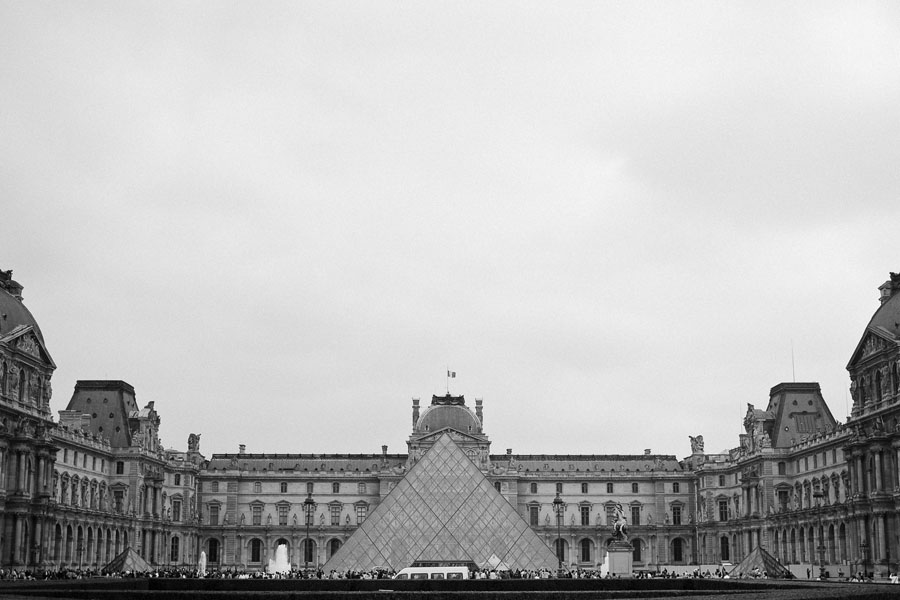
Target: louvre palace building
{"x": 80, "y": 487}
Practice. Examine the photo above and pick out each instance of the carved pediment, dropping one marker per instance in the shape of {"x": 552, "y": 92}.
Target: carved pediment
{"x": 24, "y": 340}
{"x": 871, "y": 344}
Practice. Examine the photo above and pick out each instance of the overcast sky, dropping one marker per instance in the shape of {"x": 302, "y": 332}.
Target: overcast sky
{"x": 614, "y": 220}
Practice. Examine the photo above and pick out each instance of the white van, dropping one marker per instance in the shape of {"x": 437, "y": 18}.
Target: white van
{"x": 453, "y": 573}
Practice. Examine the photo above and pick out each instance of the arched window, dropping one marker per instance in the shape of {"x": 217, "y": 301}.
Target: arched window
{"x": 560, "y": 546}
{"x": 212, "y": 554}
{"x": 333, "y": 546}
{"x": 255, "y": 550}
{"x": 309, "y": 548}
{"x": 533, "y": 488}
{"x": 173, "y": 554}
{"x": 678, "y": 550}
{"x": 586, "y": 547}
{"x": 636, "y": 553}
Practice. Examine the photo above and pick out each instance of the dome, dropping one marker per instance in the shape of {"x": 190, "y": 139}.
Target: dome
{"x": 455, "y": 416}
{"x": 887, "y": 318}
{"x": 12, "y": 312}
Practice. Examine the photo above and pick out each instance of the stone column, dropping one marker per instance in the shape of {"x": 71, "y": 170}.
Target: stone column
{"x": 878, "y": 479}
{"x": 20, "y": 475}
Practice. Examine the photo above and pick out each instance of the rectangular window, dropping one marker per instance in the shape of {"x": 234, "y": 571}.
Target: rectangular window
{"x": 283, "y": 514}
{"x": 256, "y": 515}
{"x": 75, "y": 458}
{"x": 676, "y": 515}
{"x": 361, "y": 510}
{"x": 609, "y": 488}
{"x": 559, "y": 488}
{"x": 65, "y": 455}
{"x": 815, "y": 461}
{"x": 533, "y": 516}
{"x": 585, "y": 515}
{"x": 120, "y": 467}
{"x": 824, "y": 459}
{"x": 176, "y": 510}
{"x": 675, "y": 488}
{"x": 257, "y": 487}
{"x": 102, "y": 464}
{"x": 723, "y": 510}
{"x": 335, "y": 488}
{"x": 721, "y": 481}
{"x": 834, "y": 456}
{"x": 361, "y": 488}
{"x": 84, "y": 461}
{"x": 94, "y": 463}
{"x": 584, "y": 488}
{"x": 214, "y": 514}
{"x": 635, "y": 515}
{"x": 335, "y": 514}
{"x": 214, "y": 486}
{"x": 309, "y": 488}
{"x": 782, "y": 468}
{"x": 284, "y": 487}
{"x": 806, "y": 463}
{"x": 177, "y": 478}
{"x": 119, "y": 500}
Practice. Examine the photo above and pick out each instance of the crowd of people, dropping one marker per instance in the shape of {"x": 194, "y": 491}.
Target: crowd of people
{"x": 383, "y": 573}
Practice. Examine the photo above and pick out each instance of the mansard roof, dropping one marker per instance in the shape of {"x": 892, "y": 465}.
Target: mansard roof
{"x": 884, "y": 324}
{"x": 619, "y": 463}
{"x": 13, "y": 311}
{"x": 313, "y": 463}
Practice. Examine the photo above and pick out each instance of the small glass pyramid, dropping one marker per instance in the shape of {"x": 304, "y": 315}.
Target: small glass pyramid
{"x": 444, "y": 510}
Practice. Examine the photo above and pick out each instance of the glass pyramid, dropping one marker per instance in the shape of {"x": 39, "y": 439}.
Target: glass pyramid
{"x": 443, "y": 510}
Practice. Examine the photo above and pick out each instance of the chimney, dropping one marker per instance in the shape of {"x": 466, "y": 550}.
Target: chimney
{"x": 415, "y": 413}
{"x": 648, "y": 451}
{"x": 890, "y": 287}
{"x": 242, "y": 448}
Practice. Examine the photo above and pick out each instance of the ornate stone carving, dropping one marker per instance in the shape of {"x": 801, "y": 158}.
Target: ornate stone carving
{"x": 697, "y": 446}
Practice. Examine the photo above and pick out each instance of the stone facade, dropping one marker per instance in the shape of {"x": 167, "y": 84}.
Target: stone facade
{"x": 76, "y": 492}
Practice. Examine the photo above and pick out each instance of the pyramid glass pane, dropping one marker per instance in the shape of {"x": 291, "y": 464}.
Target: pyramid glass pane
{"x": 443, "y": 510}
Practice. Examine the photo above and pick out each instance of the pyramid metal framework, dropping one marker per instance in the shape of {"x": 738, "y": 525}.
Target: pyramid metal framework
{"x": 444, "y": 510}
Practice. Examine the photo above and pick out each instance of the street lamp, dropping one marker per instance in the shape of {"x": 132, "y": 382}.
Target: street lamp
{"x": 559, "y": 508}
{"x": 818, "y": 495}
{"x": 309, "y": 507}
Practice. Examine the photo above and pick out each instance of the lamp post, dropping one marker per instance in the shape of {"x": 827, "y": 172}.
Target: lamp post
{"x": 309, "y": 507}
{"x": 559, "y": 508}
{"x": 818, "y": 495}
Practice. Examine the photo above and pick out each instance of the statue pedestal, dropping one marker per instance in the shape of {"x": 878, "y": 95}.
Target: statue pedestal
{"x": 621, "y": 556}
